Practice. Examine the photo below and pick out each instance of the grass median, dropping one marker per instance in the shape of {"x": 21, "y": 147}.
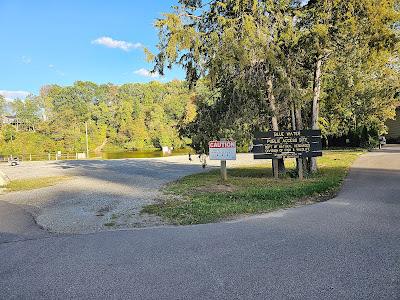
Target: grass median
{"x": 204, "y": 198}
{"x": 33, "y": 183}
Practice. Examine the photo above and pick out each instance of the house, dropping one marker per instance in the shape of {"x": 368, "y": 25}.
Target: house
{"x": 9, "y": 120}
{"x": 393, "y": 135}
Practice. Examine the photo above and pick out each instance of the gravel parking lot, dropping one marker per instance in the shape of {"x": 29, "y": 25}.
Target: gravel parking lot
{"x": 101, "y": 194}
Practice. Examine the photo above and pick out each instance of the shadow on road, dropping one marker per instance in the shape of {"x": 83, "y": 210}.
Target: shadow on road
{"x": 17, "y": 224}
{"x": 120, "y": 170}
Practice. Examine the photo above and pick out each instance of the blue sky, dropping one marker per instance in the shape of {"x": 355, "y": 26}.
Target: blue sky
{"x": 46, "y": 42}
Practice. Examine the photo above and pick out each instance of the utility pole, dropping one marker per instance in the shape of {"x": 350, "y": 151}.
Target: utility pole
{"x": 87, "y": 140}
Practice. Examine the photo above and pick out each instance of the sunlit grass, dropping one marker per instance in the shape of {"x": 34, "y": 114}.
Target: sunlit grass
{"x": 34, "y": 183}
{"x": 204, "y": 198}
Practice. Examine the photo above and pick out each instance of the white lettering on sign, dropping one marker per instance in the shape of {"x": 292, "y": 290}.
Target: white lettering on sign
{"x": 222, "y": 150}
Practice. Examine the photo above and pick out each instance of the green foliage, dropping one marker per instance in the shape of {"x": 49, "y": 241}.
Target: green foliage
{"x": 25, "y": 143}
{"x": 9, "y": 133}
{"x": 237, "y": 46}
{"x": 359, "y": 43}
{"x": 127, "y": 117}
{"x": 27, "y": 113}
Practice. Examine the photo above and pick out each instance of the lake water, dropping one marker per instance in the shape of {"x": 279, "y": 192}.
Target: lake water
{"x": 103, "y": 155}
{"x": 142, "y": 154}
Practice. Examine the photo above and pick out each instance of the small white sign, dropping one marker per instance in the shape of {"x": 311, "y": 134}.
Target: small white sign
{"x": 222, "y": 150}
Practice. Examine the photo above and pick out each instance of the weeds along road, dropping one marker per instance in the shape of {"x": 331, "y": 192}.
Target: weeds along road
{"x": 345, "y": 248}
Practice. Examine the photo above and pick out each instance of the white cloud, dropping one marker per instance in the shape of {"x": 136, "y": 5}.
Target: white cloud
{"x": 12, "y": 95}
{"x": 111, "y": 43}
{"x": 51, "y": 66}
{"x": 146, "y": 73}
{"x": 26, "y": 60}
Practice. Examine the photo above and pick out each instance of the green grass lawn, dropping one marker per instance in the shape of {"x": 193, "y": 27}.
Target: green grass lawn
{"x": 33, "y": 183}
{"x": 204, "y": 198}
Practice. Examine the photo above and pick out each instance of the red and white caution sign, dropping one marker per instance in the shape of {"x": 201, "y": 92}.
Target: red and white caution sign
{"x": 222, "y": 150}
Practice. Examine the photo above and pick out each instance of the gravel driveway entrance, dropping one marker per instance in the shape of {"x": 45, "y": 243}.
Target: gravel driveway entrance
{"x": 101, "y": 194}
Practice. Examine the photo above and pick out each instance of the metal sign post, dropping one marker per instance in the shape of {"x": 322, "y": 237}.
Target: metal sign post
{"x": 223, "y": 151}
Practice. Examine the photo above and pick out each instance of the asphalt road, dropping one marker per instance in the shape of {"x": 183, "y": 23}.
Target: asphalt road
{"x": 345, "y": 248}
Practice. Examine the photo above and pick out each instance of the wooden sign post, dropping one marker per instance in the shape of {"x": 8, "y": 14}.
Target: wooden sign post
{"x": 275, "y": 168}
{"x": 224, "y": 173}
{"x": 300, "y": 168}
{"x": 288, "y": 144}
{"x": 222, "y": 150}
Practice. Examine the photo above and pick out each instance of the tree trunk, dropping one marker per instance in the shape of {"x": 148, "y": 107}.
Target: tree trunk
{"x": 297, "y": 124}
{"x": 300, "y": 126}
{"x": 275, "y": 126}
{"x": 299, "y": 119}
{"x": 272, "y": 105}
{"x": 293, "y": 116}
{"x": 315, "y": 106}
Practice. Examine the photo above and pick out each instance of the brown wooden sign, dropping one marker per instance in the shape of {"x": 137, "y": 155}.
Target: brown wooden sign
{"x": 279, "y": 144}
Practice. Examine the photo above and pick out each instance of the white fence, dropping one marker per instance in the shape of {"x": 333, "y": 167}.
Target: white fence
{"x": 44, "y": 156}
